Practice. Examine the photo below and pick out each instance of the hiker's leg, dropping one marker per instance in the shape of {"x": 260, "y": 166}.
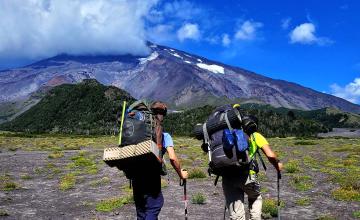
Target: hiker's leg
{"x": 154, "y": 204}
{"x": 252, "y": 189}
{"x": 140, "y": 205}
{"x": 234, "y": 197}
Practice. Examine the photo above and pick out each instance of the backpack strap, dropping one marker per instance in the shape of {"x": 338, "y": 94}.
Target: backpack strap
{"x": 207, "y": 140}
{"x": 228, "y": 122}
{"x": 238, "y": 115}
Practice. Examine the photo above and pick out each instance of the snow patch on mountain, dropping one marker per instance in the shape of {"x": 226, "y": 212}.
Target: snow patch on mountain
{"x": 152, "y": 56}
{"x": 212, "y": 68}
{"x": 176, "y": 55}
{"x": 199, "y": 60}
{"x": 186, "y": 61}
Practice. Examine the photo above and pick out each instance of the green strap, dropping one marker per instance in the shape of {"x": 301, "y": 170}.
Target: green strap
{"x": 122, "y": 121}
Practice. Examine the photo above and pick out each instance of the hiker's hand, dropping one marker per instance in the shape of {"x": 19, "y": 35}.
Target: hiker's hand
{"x": 184, "y": 174}
{"x": 279, "y": 167}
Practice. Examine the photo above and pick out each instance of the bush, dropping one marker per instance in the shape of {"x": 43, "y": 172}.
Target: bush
{"x": 198, "y": 198}
{"x": 197, "y": 173}
{"x": 303, "y": 201}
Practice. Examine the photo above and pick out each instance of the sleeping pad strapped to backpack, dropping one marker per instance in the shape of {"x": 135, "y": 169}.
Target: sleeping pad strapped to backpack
{"x": 142, "y": 125}
{"x": 227, "y": 147}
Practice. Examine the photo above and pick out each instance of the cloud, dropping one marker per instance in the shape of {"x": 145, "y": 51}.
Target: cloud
{"x": 161, "y": 33}
{"x": 350, "y": 92}
{"x": 188, "y": 31}
{"x": 285, "y": 23}
{"x": 226, "y": 40}
{"x": 184, "y": 10}
{"x": 305, "y": 34}
{"x": 43, "y": 28}
{"x": 248, "y": 30}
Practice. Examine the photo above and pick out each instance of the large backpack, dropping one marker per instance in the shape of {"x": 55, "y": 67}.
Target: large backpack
{"x": 141, "y": 124}
{"x": 227, "y": 147}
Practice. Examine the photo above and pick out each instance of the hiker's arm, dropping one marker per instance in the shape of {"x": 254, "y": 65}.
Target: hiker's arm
{"x": 272, "y": 157}
{"x": 175, "y": 163}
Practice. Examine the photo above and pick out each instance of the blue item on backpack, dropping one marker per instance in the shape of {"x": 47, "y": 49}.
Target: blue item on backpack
{"x": 228, "y": 140}
{"x": 241, "y": 140}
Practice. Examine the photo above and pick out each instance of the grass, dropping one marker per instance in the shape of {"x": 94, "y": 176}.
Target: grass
{"x": 198, "y": 198}
{"x": 301, "y": 182}
{"x": 346, "y": 194}
{"x": 305, "y": 201}
{"x": 7, "y": 184}
{"x": 326, "y": 217}
{"x": 269, "y": 208}
{"x": 67, "y": 182}
{"x": 100, "y": 182}
{"x": 56, "y": 154}
{"x": 356, "y": 214}
{"x": 305, "y": 143}
{"x": 108, "y": 205}
{"x": 3, "y": 213}
{"x": 26, "y": 176}
{"x": 197, "y": 173}
{"x": 292, "y": 166}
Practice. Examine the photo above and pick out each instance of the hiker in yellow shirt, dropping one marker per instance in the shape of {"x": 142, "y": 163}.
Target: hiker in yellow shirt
{"x": 234, "y": 188}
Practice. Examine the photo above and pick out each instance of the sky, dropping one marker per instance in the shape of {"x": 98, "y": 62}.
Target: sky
{"x": 312, "y": 43}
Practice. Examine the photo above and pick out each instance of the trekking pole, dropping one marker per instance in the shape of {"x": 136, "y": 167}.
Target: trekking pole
{"x": 278, "y": 193}
{"x": 183, "y": 183}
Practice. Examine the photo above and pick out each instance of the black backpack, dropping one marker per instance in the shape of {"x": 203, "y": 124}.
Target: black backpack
{"x": 141, "y": 123}
{"x": 222, "y": 162}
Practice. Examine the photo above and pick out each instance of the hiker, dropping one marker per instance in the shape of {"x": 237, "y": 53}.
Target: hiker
{"x": 147, "y": 186}
{"x": 235, "y": 185}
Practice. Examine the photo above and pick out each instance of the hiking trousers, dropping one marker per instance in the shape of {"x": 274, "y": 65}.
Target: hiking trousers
{"x": 148, "y": 207}
{"x": 234, "y": 189}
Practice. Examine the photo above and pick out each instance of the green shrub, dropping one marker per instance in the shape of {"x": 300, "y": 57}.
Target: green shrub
{"x": 197, "y": 173}
{"x": 6, "y": 183}
{"x": 198, "y": 198}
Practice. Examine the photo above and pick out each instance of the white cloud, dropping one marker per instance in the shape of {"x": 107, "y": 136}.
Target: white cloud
{"x": 306, "y": 34}
{"x": 350, "y": 92}
{"x": 43, "y": 28}
{"x": 226, "y": 40}
{"x": 188, "y": 31}
{"x": 285, "y": 23}
{"x": 161, "y": 33}
{"x": 248, "y": 30}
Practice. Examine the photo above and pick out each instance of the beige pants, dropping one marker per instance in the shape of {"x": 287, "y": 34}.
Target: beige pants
{"x": 234, "y": 189}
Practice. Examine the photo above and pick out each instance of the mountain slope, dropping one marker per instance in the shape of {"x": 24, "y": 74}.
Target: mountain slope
{"x": 176, "y": 77}
{"x": 85, "y": 108}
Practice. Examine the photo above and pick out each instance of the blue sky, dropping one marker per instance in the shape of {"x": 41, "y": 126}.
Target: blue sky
{"x": 313, "y": 43}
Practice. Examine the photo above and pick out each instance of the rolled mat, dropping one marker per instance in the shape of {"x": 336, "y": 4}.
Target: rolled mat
{"x": 120, "y": 156}
{"x": 215, "y": 124}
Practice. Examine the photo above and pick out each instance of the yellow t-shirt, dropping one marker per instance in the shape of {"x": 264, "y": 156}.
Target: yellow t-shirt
{"x": 256, "y": 141}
